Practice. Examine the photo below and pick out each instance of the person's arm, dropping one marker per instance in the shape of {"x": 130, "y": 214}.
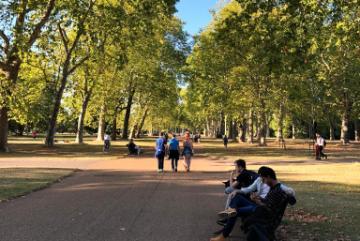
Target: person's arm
{"x": 288, "y": 190}
{"x": 256, "y": 199}
{"x": 251, "y": 188}
{"x": 232, "y": 182}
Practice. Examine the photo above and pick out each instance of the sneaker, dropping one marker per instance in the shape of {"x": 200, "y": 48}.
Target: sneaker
{"x": 218, "y": 232}
{"x": 228, "y": 213}
{"x": 221, "y": 222}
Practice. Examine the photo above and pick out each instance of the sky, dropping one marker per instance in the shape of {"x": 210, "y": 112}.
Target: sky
{"x": 195, "y": 13}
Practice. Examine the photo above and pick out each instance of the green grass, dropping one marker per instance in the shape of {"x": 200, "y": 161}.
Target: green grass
{"x": 325, "y": 211}
{"x": 15, "y": 182}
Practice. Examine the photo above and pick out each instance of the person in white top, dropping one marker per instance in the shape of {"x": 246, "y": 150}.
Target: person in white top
{"x": 320, "y": 143}
{"x": 258, "y": 187}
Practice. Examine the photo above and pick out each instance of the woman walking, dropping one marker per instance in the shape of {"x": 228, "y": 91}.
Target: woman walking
{"x": 187, "y": 151}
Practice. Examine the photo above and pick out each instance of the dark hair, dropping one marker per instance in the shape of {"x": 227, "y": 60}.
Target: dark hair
{"x": 267, "y": 172}
{"x": 240, "y": 163}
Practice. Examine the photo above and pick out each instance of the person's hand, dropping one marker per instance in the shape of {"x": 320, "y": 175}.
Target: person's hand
{"x": 232, "y": 174}
{"x": 254, "y": 197}
{"x": 234, "y": 193}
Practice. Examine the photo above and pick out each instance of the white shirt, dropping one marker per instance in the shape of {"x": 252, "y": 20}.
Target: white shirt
{"x": 320, "y": 141}
{"x": 262, "y": 189}
{"x": 106, "y": 137}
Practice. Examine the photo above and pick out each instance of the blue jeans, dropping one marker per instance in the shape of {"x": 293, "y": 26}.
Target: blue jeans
{"x": 243, "y": 207}
{"x": 229, "y": 190}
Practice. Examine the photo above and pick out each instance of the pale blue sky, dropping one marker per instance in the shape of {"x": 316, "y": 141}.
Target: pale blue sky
{"x": 195, "y": 14}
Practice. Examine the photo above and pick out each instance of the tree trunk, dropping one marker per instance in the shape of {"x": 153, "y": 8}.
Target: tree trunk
{"x": 262, "y": 129}
{"x": 345, "y": 128}
{"x": 207, "y": 128}
{"x": 10, "y": 75}
{"x": 125, "y": 133}
{"x": 262, "y": 125}
{"x": 222, "y": 130}
{"x": 332, "y": 134}
{"x": 345, "y": 121}
{"x": 242, "y": 131}
{"x": 293, "y": 131}
{"x": 114, "y": 125}
{"x": 50, "y": 137}
{"x": 141, "y": 126}
{"x": 80, "y": 126}
{"x": 101, "y": 125}
{"x": 251, "y": 127}
{"x": 4, "y": 125}
{"x": 357, "y": 130}
{"x": 280, "y": 136}
{"x": 133, "y": 130}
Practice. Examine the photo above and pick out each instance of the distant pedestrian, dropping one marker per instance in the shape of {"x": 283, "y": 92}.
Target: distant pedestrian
{"x": 320, "y": 143}
{"x": 106, "y": 142}
{"x": 174, "y": 152}
{"x": 34, "y": 134}
{"x": 226, "y": 141}
{"x": 160, "y": 149}
{"x": 188, "y": 151}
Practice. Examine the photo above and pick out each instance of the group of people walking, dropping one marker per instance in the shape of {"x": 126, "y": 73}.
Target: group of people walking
{"x": 165, "y": 146}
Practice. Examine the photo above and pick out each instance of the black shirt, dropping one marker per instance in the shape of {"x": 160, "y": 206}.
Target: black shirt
{"x": 244, "y": 179}
{"x": 276, "y": 201}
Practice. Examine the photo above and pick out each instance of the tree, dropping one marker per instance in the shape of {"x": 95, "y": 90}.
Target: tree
{"x": 18, "y": 36}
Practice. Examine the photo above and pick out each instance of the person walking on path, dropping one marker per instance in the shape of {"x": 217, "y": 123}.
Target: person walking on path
{"x": 226, "y": 141}
{"x": 188, "y": 151}
{"x": 174, "y": 154}
{"x": 106, "y": 142}
{"x": 319, "y": 147}
{"x": 160, "y": 149}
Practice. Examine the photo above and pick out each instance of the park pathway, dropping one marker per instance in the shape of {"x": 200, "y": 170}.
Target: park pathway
{"x": 117, "y": 206}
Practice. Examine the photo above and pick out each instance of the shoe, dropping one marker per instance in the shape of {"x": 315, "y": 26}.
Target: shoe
{"x": 326, "y": 157}
{"x": 221, "y": 222}
{"x": 219, "y": 238}
{"x": 218, "y": 232}
{"x": 228, "y": 213}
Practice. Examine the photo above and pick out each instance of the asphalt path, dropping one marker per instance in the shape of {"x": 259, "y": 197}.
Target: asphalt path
{"x": 117, "y": 206}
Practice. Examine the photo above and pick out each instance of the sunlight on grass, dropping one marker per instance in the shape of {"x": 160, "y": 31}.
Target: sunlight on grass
{"x": 16, "y": 182}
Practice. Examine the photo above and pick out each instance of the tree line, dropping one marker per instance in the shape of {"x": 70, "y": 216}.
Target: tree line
{"x": 85, "y": 65}
{"x": 290, "y": 67}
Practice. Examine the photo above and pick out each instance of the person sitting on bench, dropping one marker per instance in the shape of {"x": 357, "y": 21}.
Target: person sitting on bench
{"x": 240, "y": 177}
{"x": 240, "y": 206}
{"x": 133, "y": 148}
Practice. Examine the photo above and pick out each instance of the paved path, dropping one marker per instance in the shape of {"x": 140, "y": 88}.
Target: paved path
{"x": 117, "y": 206}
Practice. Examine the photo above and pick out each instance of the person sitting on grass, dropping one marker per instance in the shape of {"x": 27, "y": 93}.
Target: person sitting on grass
{"x": 133, "y": 148}
{"x": 240, "y": 206}
{"x": 240, "y": 177}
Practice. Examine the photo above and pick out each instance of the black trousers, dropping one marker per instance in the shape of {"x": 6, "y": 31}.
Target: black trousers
{"x": 174, "y": 157}
{"x": 160, "y": 157}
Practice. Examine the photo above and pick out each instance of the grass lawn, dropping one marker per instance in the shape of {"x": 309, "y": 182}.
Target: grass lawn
{"x": 15, "y": 182}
